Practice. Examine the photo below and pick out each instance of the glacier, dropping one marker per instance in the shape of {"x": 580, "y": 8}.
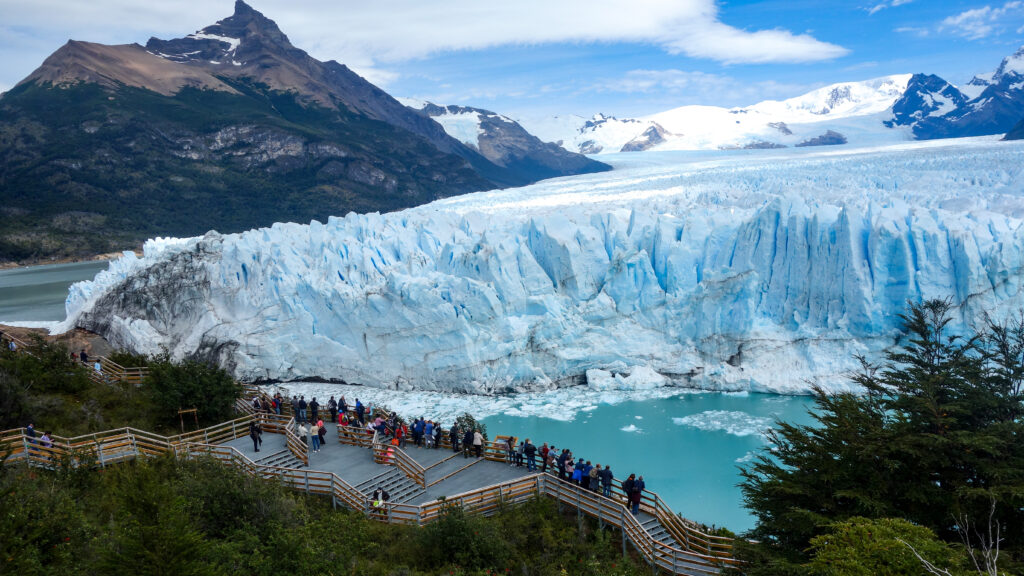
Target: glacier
{"x": 762, "y": 270}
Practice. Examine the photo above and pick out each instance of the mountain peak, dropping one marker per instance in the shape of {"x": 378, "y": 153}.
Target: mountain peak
{"x": 244, "y": 35}
{"x": 1012, "y": 64}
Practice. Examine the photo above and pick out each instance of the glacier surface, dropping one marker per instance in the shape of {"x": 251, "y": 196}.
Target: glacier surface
{"x": 758, "y": 270}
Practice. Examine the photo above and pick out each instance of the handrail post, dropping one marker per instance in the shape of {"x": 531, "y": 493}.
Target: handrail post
{"x": 622, "y": 528}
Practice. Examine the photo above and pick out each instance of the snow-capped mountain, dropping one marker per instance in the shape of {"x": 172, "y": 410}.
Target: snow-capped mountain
{"x": 994, "y": 103}
{"x": 888, "y": 109}
{"x": 504, "y": 142}
{"x": 853, "y": 109}
{"x": 764, "y": 271}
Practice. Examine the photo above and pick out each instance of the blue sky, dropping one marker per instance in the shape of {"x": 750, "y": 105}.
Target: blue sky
{"x": 533, "y": 58}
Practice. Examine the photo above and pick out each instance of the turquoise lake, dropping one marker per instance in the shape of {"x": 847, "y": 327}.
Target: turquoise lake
{"x": 693, "y": 465}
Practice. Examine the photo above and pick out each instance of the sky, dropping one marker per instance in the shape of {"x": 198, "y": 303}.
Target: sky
{"x": 535, "y": 59}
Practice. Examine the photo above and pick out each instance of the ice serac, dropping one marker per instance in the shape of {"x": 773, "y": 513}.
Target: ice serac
{"x": 766, "y": 271}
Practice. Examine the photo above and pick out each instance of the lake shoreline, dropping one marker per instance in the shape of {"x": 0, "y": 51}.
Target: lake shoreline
{"x": 69, "y": 260}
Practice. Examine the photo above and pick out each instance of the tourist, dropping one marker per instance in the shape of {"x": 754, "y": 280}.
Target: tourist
{"x": 302, "y": 409}
{"x": 530, "y": 451}
{"x": 549, "y": 462}
{"x": 594, "y": 478}
{"x": 380, "y": 497}
{"x": 638, "y": 489}
{"x": 295, "y": 408}
{"x": 256, "y": 433}
{"x": 467, "y": 442}
{"x": 314, "y": 408}
{"x": 332, "y": 407}
{"x": 417, "y": 431}
{"x": 342, "y": 405}
{"x": 636, "y": 494}
{"x": 360, "y": 411}
{"x": 544, "y": 457}
{"x": 304, "y": 433}
{"x": 99, "y": 369}
{"x": 278, "y": 403}
{"x": 47, "y": 443}
{"x": 578, "y": 469}
{"x": 314, "y": 437}
{"x": 30, "y": 438}
{"x": 438, "y": 431}
{"x": 519, "y": 453}
{"x": 82, "y": 355}
{"x": 510, "y": 446}
{"x": 74, "y": 355}
{"x": 453, "y": 437}
{"x": 322, "y": 432}
{"x": 570, "y": 470}
{"x": 428, "y": 433}
{"x": 478, "y": 443}
{"x": 627, "y": 490}
{"x": 562, "y": 472}
{"x": 402, "y": 433}
{"x": 256, "y": 403}
{"x": 606, "y": 477}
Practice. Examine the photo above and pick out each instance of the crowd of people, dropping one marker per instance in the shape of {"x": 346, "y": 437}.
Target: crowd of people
{"x": 470, "y": 441}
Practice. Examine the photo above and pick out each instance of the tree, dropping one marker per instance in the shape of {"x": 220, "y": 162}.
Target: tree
{"x": 891, "y": 546}
{"x": 191, "y": 384}
{"x": 936, "y": 436}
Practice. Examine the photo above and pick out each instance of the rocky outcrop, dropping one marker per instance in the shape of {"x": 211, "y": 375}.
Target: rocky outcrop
{"x": 505, "y": 143}
{"x": 650, "y": 138}
{"x": 829, "y": 138}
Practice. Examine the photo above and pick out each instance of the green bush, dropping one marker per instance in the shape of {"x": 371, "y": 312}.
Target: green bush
{"x": 468, "y": 422}
{"x": 191, "y": 384}
{"x": 865, "y": 547}
{"x": 162, "y": 516}
{"x": 464, "y": 540}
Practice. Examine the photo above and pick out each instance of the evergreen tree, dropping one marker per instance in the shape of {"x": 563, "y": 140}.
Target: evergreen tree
{"x": 938, "y": 435}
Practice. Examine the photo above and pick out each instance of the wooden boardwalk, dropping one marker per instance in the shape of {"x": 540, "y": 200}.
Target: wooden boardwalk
{"x": 423, "y": 483}
{"x": 453, "y": 473}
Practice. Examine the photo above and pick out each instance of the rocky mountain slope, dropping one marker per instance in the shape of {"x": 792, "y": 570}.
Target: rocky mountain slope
{"x": 504, "y": 142}
{"x": 228, "y": 128}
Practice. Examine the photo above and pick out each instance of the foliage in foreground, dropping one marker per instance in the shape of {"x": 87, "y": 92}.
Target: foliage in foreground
{"x": 42, "y": 385}
{"x": 198, "y": 518}
{"x": 936, "y": 440}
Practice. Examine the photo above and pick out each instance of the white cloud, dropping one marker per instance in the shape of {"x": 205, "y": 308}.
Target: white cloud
{"x": 699, "y": 87}
{"x": 921, "y": 32}
{"x": 983, "y": 22}
{"x": 889, "y": 4}
{"x": 364, "y": 34}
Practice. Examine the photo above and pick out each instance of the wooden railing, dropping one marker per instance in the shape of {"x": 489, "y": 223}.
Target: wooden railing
{"x": 388, "y": 455}
{"x": 355, "y": 436}
{"x": 613, "y": 511}
{"x": 299, "y": 447}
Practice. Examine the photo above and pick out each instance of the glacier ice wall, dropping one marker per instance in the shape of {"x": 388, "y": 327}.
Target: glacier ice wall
{"x": 762, "y": 271}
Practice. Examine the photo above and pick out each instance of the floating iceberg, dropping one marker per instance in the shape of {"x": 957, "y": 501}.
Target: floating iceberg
{"x": 764, "y": 271}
